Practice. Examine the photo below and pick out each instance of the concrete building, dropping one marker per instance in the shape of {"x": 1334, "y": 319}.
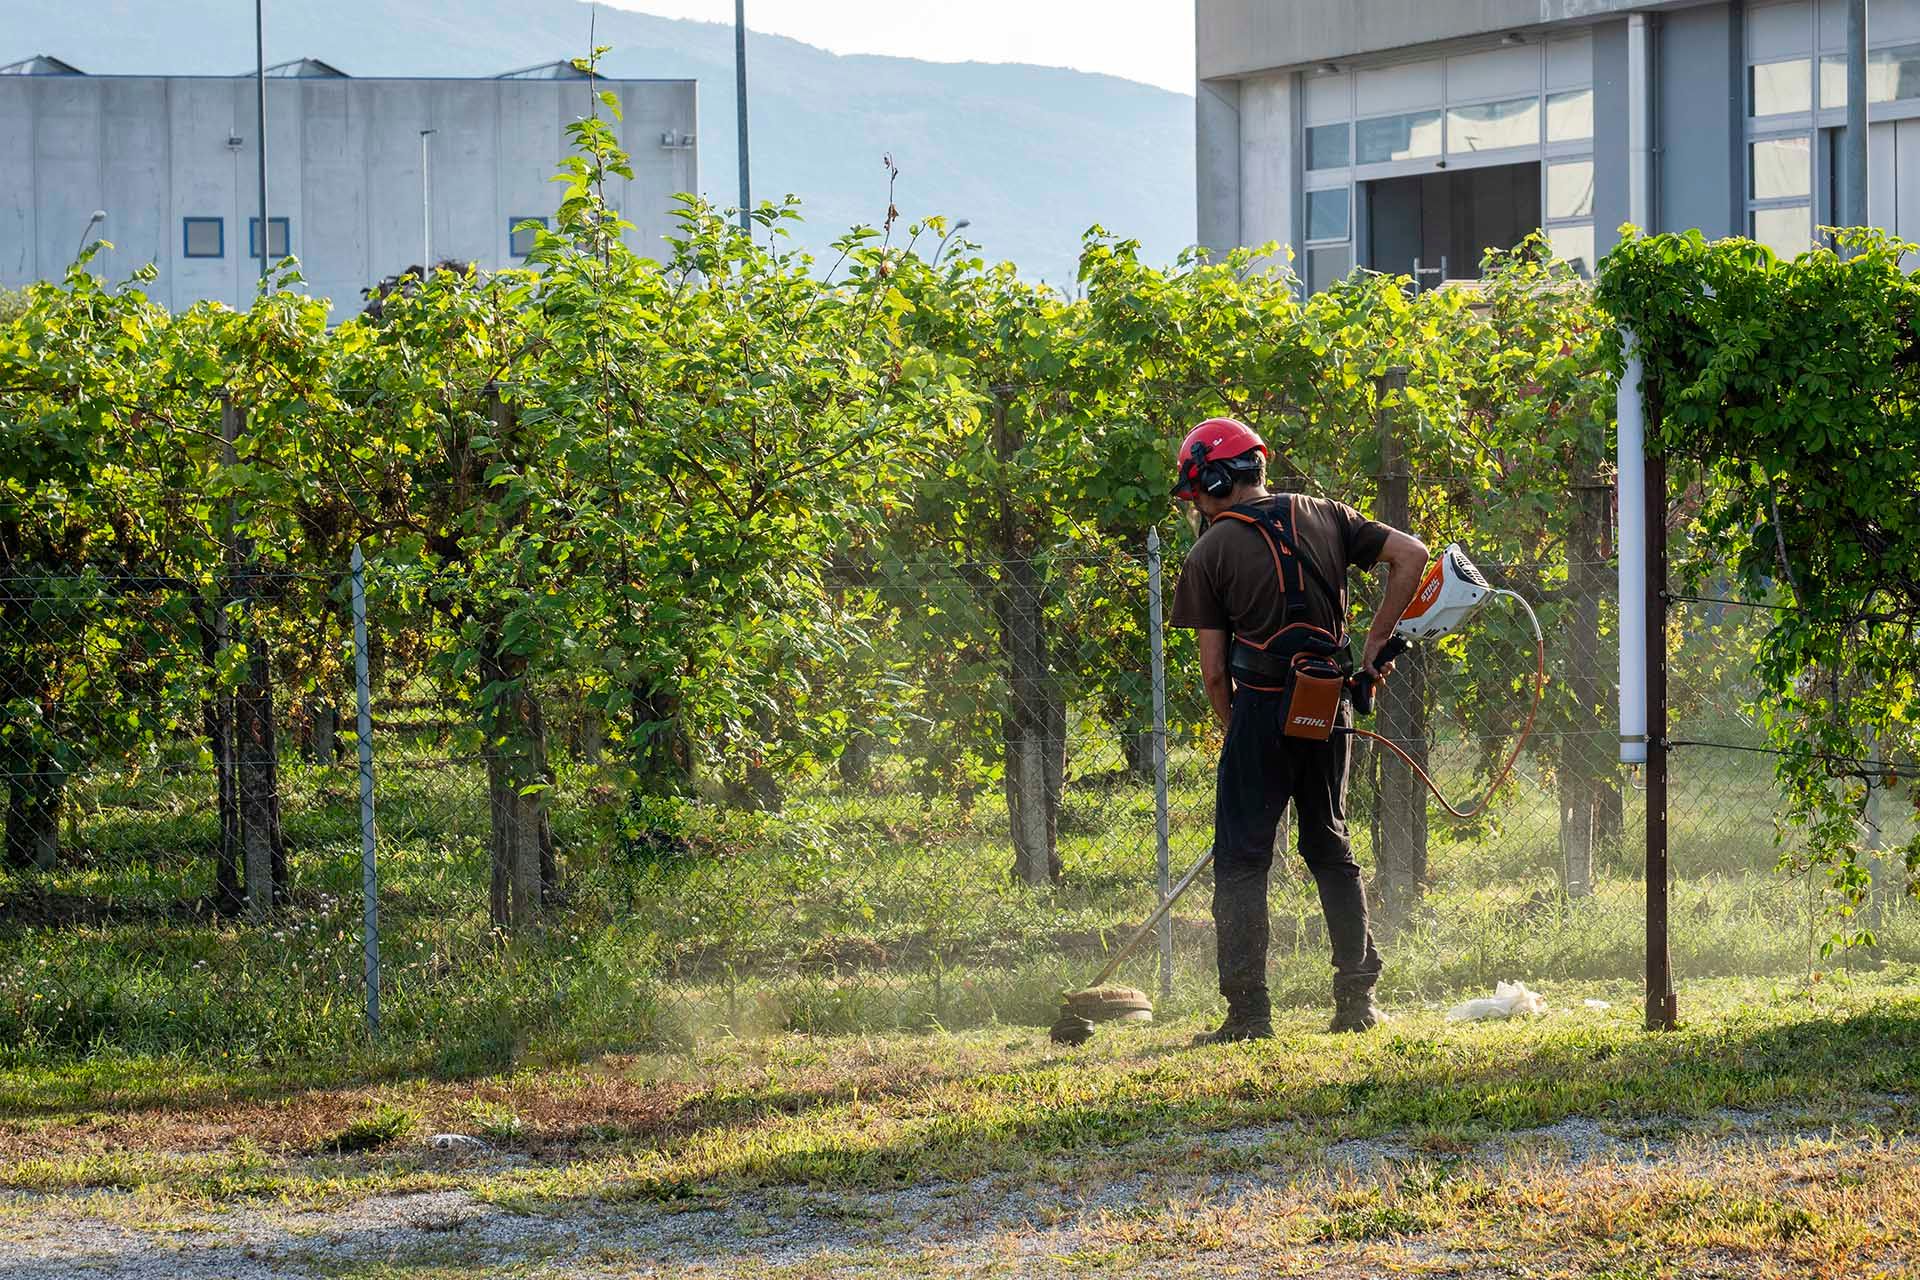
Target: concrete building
{"x": 1390, "y": 133}
{"x": 172, "y": 161}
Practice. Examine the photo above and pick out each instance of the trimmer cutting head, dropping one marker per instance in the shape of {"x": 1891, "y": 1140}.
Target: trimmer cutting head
{"x": 1081, "y": 1010}
{"x": 1452, "y": 592}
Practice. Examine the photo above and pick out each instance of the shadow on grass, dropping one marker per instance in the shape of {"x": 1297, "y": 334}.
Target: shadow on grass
{"x": 1009, "y": 1119}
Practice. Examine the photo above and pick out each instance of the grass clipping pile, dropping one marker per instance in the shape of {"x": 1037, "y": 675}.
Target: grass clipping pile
{"x": 1081, "y": 1010}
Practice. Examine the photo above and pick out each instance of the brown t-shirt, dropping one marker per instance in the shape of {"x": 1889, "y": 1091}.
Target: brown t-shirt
{"x": 1228, "y": 582}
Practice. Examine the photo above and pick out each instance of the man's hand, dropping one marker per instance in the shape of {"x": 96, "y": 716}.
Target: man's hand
{"x": 1406, "y": 559}
{"x": 1372, "y": 651}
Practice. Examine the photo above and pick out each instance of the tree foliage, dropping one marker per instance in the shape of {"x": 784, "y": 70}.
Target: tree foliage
{"x": 1790, "y": 385}
{"x": 745, "y": 511}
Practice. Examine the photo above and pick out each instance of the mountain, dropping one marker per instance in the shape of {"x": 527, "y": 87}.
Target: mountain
{"x": 1031, "y": 155}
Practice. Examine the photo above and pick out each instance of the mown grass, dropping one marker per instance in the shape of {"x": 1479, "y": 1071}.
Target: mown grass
{"x": 875, "y": 1113}
{"x": 834, "y": 1125}
{"x": 860, "y": 909}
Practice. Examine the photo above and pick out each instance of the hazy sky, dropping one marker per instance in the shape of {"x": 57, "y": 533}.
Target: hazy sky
{"x": 1150, "y": 40}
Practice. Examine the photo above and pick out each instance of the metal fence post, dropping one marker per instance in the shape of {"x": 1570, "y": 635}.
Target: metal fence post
{"x": 1400, "y": 801}
{"x": 1872, "y": 837}
{"x": 1156, "y": 630}
{"x": 1662, "y": 1011}
{"x": 369, "y": 877}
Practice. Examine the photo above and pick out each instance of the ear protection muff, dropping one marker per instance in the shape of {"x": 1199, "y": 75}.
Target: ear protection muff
{"x": 1216, "y": 479}
{"x": 1211, "y": 477}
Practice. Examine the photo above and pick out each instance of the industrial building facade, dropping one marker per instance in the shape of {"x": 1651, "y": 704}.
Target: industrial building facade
{"x": 364, "y": 175}
{"x": 1407, "y": 134}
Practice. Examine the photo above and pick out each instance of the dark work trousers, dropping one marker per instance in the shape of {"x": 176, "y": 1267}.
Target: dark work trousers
{"x": 1260, "y": 768}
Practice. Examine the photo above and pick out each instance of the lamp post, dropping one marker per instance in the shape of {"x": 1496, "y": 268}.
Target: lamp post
{"x": 260, "y": 85}
{"x": 1854, "y": 211}
{"x": 740, "y": 96}
{"x": 426, "y": 207}
{"x": 99, "y": 216}
{"x": 940, "y": 250}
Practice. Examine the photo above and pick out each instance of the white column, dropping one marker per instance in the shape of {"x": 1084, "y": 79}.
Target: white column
{"x": 1631, "y": 546}
{"x": 1640, "y": 121}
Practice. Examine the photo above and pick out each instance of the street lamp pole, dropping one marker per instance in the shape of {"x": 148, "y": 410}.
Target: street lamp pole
{"x": 740, "y": 94}
{"x": 260, "y": 83}
{"x": 99, "y": 216}
{"x": 426, "y": 207}
{"x": 1854, "y": 214}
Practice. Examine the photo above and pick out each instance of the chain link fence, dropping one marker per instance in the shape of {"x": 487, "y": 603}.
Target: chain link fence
{"x": 941, "y": 817}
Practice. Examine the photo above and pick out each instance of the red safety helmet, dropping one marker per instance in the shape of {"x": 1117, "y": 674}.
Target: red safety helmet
{"x": 1207, "y": 455}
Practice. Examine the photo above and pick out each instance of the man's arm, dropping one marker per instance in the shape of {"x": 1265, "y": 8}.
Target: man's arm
{"x": 1406, "y": 559}
{"x": 1213, "y": 671}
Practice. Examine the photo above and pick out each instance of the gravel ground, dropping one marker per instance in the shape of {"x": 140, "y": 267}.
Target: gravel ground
{"x": 952, "y": 1228}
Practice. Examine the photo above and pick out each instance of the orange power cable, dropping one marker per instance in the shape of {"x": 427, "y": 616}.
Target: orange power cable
{"x": 1539, "y": 688}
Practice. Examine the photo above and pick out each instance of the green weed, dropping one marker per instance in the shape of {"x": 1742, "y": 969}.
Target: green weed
{"x": 383, "y": 1126}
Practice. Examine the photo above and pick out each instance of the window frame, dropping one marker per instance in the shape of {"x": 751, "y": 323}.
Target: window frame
{"x": 513, "y": 227}
{"x": 1346, "y": 235}
{"x": 1803, "y": 204}
{"x": 1813, "y": 87}
{"x": 1546, "y": 117}
{"x": 1588, "y": 221}
{"x": 1306, "y": 138}
{"x": 1306, "y": 277}
{"x": 1805, "y": 135}
{"x": 186, "y": 237}
{"x": 1888, "y": 109}
{"x": 1408, "y": 164}
{"x": 1547, "y": 165}
{"x": 1448, "y": 150}
{"x": 1573, "y": 224}
{"x": 1455, "y": 92}
{"x": 253, "y": 237}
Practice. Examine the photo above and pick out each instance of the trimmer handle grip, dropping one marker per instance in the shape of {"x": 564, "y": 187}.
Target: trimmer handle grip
{"x": 1363, "y": 681}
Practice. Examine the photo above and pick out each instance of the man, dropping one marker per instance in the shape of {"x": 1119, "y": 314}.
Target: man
{"x": 1266, "y": 581}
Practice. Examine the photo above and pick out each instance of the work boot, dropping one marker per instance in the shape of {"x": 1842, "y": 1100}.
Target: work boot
{"x": 1235, "y": 1029}
{"x": 1249, "y": 1017}
{"x": 1357, "y": 1012}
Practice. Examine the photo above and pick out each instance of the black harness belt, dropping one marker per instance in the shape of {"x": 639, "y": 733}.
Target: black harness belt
{"x": 1258, "y": 667}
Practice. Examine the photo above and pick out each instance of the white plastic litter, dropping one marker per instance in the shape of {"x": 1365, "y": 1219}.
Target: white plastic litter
{"x": 1509, "y": 1000}
{"x": 1596, "y": 1004}
{"x": 456, "y": 1142}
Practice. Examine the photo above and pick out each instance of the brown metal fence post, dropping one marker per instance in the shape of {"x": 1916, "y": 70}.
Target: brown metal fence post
{"x": 1400, "y": 803}
{"x": 1662, "y": 1007}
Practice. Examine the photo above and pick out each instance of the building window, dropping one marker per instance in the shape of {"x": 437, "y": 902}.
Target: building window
{"x": 1785, "y": 229}
{"x": 1327, "y": 214}
{"x": 203, "y": 237}
{"x": 1892, "y": 74}
{"x": 1493, "y": 126}
{"x": 1329, "y": 146}
{"x": 1328, "y": 266}
{"x": 1569, "y": 189}
{"x": 1329, "y": 232}
{"x": 1402, "y": 137}
{"x": 278, "y": 231}
{"x": 1780, "y": 168}
{"x": 1570, "y": 116}
{"x": 1573, "y": 243}
{"x": 521, "y": 237}
{"x": 1778, "y": 88}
